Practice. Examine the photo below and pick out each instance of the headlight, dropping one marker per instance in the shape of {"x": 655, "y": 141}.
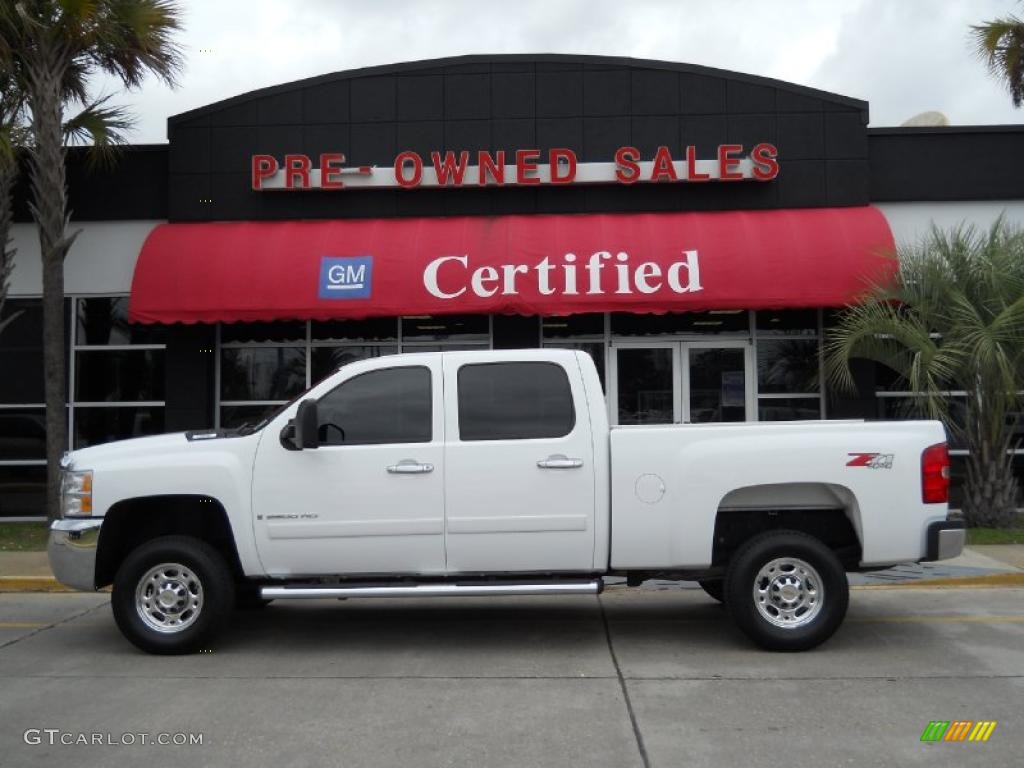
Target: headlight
{"x": 76, "y": 493}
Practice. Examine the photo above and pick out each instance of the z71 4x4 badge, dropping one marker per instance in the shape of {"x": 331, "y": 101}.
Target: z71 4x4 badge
{"x": 871, "y": 460}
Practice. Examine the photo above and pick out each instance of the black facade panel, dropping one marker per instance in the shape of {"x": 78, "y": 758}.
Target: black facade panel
{"x": 513, "y": 134}
{"x": 423, "y": 202}
{"x": 188, "y": 193}
{"x": 280, "y": 109}
{"x": 373, "y": 144}
{"x": 559, "y": 94}
{"x": 421, "y": 137}
{"x": 845, "y": 136}
{"x": 513, "y": 94}
{"x": 559, "y": 132}
{"x": 472, "y": 135}
{"x": 467, "y": 97}
{"x": 749, "y": 130}
{"x": 847, "y": 182}
{"x": 373, "y": 99}
{"x": 190, "y": 148}
{"x": 232, "y": 147}
{"x": 328, "y": 137}
{"x": 276, "y": 140}
{"x": 701, "y": 95}
{"x": 800, "y": 136}
{"x": 242, "y": 113}
{"x": 801, "y": 183}
{"x": 602, "y": 136}
{"x": 946, "y": 164}
{"x": 705, "y": 132}
{"x": 420, "y": 97}
{"x": 654, "y": 92}
{"x": 745, "y": 97}
{"x": 649, "y": 133}
{"x": 788, "y": 101}
{"x": 327, "y": 103}
{"x": 606, "y": 92}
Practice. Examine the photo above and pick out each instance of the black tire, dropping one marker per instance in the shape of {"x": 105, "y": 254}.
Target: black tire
{"x": 789, "y": 590}
{"x": 203, "y": 579}
{"x": 715, "y": 588}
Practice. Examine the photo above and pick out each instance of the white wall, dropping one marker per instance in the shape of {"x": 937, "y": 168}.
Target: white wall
{"x": 910, "y": 221}
{"x": 101, "y": 260}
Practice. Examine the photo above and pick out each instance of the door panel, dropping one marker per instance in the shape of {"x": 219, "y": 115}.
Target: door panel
{"x": 647, "y": 384}
{"x": 718, "y": 384}
{"x": 519, "y": 468}
{"x": 370, "y": 498}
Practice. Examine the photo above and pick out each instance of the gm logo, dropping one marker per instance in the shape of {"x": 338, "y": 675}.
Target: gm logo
{"x": 347, "y": 277}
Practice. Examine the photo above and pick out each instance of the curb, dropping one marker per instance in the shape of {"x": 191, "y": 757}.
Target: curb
{"x": 32, "y": 584}
{"x": 967, "y": 582}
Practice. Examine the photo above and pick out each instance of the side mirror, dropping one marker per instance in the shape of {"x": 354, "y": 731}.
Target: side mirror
{"x": 306, "y": 422}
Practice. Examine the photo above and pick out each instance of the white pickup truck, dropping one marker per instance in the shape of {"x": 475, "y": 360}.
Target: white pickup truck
{"x": 494, "y": 473}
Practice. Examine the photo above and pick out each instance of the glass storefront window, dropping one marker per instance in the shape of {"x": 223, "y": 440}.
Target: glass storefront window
{"x": 646, "y": 381}
{"x": 234, "y": 416}
{"x": 22, "y": 491}
{"x": 787, "y": 366}
{"x": 103, "y": 320}
{"x": 119, "y": 375}
{"x": 262, "y": 373}
{"x": 22, "y": 434}
{"x": 101, "y": 424}
{"x": 788, "y": 408}
{"x": 326, "y": 360}
{"x": 21, "y": 350}
{"x": 446, "y": 328}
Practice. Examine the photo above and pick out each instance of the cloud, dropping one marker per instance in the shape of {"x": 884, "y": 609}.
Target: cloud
{"x": 903, "y": 57}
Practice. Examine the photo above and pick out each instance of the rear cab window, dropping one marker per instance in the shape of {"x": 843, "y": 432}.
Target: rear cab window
{"x": 525, "y": 400}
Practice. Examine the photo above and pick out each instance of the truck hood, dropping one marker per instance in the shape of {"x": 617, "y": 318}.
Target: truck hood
{"x": 92, "y": 457}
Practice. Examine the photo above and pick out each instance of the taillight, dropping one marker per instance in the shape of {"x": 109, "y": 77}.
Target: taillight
{"x": 935, "y": 474}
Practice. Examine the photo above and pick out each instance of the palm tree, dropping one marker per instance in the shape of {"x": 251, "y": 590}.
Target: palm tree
{"x": 12, "y": 109}
{"x": 1000, "y": 44}
{"x": 52, "y": 47}
{"x": 953, "y": 320}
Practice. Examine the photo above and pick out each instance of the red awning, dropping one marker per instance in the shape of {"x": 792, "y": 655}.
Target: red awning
{"x": 544, "y": 264}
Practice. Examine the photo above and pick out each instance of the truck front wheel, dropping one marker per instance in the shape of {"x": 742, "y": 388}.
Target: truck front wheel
{"x": 172, "y": 595}
{"x": 786, "y": 590}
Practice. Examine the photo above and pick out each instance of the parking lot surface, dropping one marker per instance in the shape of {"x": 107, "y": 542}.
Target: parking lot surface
{"x": 637, "y": 677}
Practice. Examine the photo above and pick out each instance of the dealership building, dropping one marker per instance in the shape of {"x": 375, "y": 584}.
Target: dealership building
{"x": 694, "y": 230}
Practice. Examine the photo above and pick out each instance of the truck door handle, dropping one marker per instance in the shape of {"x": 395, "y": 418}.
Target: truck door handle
{"x": 410, "y": 467}
{"x": 559, "y": 461}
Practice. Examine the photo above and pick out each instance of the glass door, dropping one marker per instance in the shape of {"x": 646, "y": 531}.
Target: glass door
{"x": 681, "y": 382}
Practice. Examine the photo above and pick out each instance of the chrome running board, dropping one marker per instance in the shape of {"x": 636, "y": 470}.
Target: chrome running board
{"x": 432, "y": 590}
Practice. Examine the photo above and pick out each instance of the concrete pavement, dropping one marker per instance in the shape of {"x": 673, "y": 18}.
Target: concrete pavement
{"x": 647, "y": 677}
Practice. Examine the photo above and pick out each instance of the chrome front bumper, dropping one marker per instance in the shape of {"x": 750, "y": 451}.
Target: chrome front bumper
{"x": 72, "y": 552}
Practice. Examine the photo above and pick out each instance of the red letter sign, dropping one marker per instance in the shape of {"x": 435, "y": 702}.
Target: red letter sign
{"x": 417, "y": 169}
{"x": 766, "y": 167}
{"x": 726, "y": 163}
{"x": 570, "y": 166}
{"x": 526, "y": 162}
{"x": 296, "y": 166}
{"x": 330, "y": 165}
{"x": 263, "y": 167}
{"x": 627, "y": 171}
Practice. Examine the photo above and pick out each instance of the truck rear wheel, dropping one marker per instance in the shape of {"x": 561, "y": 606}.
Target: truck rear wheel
{"x": 786, "y": 591}
{"x": 172, "y": 595}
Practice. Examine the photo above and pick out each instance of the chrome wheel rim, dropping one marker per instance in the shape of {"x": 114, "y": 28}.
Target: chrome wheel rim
{"x": 169, "y": 598}
{"x": 788, "y": 592}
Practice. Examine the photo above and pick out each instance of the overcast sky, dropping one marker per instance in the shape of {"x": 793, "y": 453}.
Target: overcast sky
{"x": 902, "y": 56}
